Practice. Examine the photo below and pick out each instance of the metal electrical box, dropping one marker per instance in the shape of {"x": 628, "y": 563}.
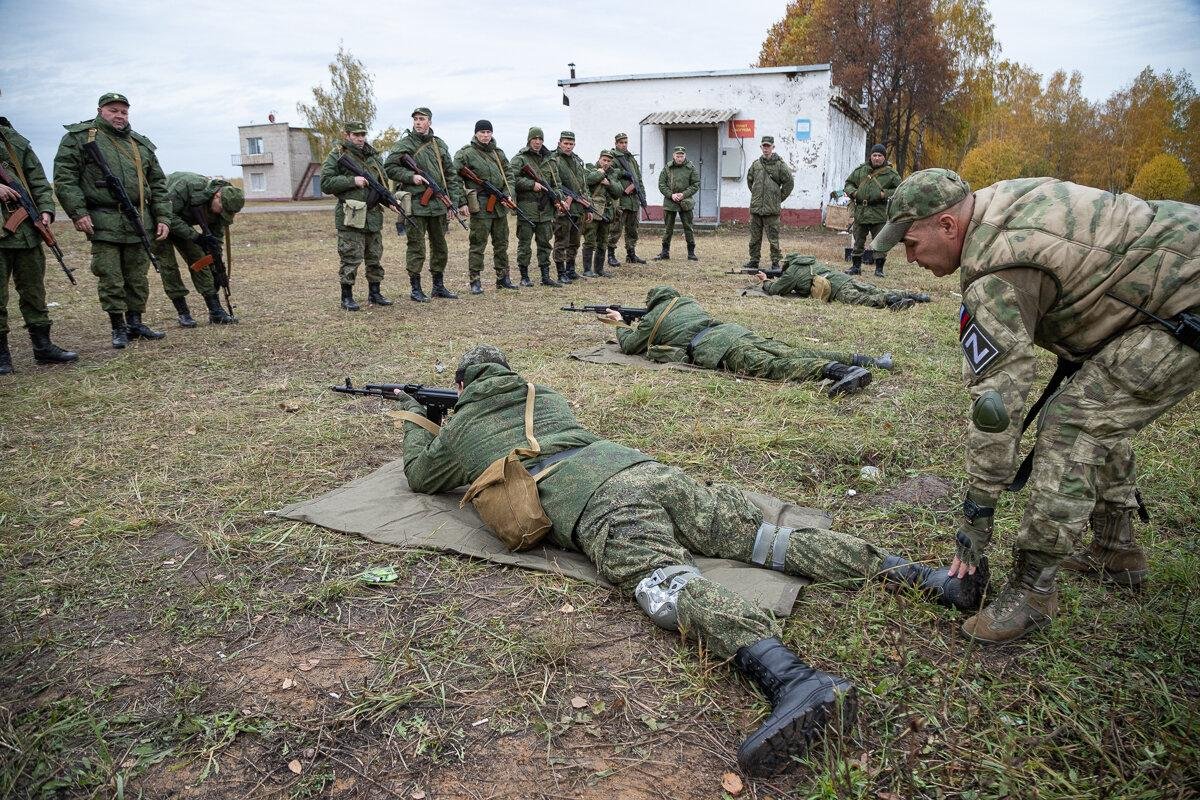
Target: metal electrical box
{"x": 732, "y": 162}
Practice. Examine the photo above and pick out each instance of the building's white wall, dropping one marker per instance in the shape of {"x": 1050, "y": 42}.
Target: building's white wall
{"x": 848, "y": 144}
{"x": 773, "y": 100}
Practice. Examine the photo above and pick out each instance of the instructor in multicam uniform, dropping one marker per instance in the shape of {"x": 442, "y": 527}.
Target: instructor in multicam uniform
{"x": 1079, "y": 272}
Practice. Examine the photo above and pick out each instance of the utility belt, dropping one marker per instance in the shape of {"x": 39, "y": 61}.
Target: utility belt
{"x": 562, "y": 455}
{"x": 93, "y": 206}
{"x": 870, "y": 202}
{"x": 691, "y": 348}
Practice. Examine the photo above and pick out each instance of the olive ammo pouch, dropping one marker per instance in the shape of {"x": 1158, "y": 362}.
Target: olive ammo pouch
{"x": 354, "y": 214}
{"x": 473, "y": 201}
{"x": 506, "y": 495}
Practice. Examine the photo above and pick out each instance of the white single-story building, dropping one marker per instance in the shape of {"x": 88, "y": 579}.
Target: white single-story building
{"x": 720, "y": 116}
{"x": 277, "y": 162}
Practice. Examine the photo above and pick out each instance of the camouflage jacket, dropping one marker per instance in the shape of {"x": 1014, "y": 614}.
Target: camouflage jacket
{"x": 770, "y": 183}
{"x": 535, "y": 205}
{"x": 191, "y": 194}
{"x": 488, "y": 162}
{"x": 603, "y": 195}
{"x": 628, "y": 202}
{"x": 432, "y": 155}
{"x": 566, "y": 170}
{"x": 80, "y": 186}
{"x": 489, "y": 422}
{"x": 798, "y": 273}
{"x": 19, "y": 160}
{"x": 870, "y": 188}
{"x": 1039, "y": 257}
{"x": 679, "y": 178}
{"x": 679, "y": 327}
{"x": 339, "y": 182}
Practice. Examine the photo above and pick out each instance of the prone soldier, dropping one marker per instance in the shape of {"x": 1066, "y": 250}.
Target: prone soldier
{"x": 632, "y": 192}
{"x": 679, "y": 181}
{"x": 869, "y": 187}
{"x": 806, "y": 277}
{"x": 770, "y": 182}
{"x": 485, "y": 158}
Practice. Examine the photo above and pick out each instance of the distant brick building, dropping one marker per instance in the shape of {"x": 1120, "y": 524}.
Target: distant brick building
{"x": 718, "y": 116}
{"x": 277, "y": 162}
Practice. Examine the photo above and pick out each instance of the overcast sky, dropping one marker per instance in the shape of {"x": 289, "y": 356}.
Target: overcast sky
{"x": 194, "y": 72}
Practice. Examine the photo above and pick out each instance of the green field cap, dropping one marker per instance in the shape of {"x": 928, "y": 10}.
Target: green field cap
{"x": 920, "y": 195}
{"x": 112, "y": 97}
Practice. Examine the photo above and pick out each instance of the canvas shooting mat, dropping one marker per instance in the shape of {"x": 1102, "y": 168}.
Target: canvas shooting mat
{"x": 382, "y": 508}
{"x": 610, "y": 353}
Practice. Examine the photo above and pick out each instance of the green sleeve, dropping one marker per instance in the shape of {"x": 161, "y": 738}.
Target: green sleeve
{"x": 156, "y": 181}
{"x": 458, "y": 193}
{"x": 664, "y": 182}
{"x": 851, "y": 184}
{"x": 510, "y": 177}
{"x": 750, "y": 176}
{"x": 68, "y": 167}
{"x": 693, "y": 182}
{"x": 39, "y": 187}
{"x": 178, "y": 196}
{"x": 395, "y": 170}
{"x": 429, "y": 465}
{"x": 522, "y": 182}
{"x": 786, "y": 182}
{"x": 333, "y": 180}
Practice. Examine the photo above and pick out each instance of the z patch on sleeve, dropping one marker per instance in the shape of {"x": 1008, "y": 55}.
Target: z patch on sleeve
{"x": 978, "y": 346}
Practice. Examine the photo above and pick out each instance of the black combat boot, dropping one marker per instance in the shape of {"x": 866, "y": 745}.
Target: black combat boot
{"x": 546, "y": 279}
{"x": 138, "y": 329}
{"x": 525, "y": 276}
{"x": 881, "y": 362}
{"x": 217, "y": 315}
{"x": 965, "y": 594}
{"x": 692, "y": 252}
{"x": 375, "y": 296}
{"x": 418, "y": 294}
{"x": 845, "y": 379}
{"x": 664, "y": 254}
{"x": 185, "y": 313}
{"x": 879, "y": 267}
{"x": 561, "y": 268}
{"x": 570, "y": 270}
{"x": 612, "y": 257}
{"x": 475, "y": 287}
{"x": 631, "y": 257}
{"x": 898, "y": 302}
{"x": 751, "y": 264}
{"x": 588, "y": 272}
{"x": 120, "y": 334}
{"x": 917, "y": 297}
{"x": 348, "y": 298}
{"x": 855, "y": 266}
{"x": 504, "y": 283}
{"x": 440, "y": 290}
{"x": 5, "y": 356}
{"x": 46, "y": 351}
{"x": 803, "y": 700}
{"x": 598, "y": 264}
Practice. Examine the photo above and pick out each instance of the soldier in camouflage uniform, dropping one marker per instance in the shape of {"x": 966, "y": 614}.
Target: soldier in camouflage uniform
{"x": 677, "y": 329}
{"x": 604, "y": 195}
{"x": 679, "y": 181}
{"x": 534, "y": 203}
{"x": 21, "y": 253}
{"x": 770, "y": 183}
{"x": 564, "y": 169}
{"x": 430, "y": 220}
{"x": 119, "y": 261}
{"x": 630, "y": 206}
{"x": 641, "y": 522}
{"x": 1046, "y": 263}
{"x": 807, "y": 277}
{"x": 483, "y": 156}
{"x": 869, "y": 187}
{"x": 359, "y": 228}
{"x": 192, "y": 195}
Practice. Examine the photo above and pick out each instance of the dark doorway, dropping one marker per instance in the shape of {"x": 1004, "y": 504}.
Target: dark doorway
{"x": 701, "y": 144}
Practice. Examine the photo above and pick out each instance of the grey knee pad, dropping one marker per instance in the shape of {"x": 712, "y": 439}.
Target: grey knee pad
{"x": 658, "y": 594}
{"x": 771, "y": 546}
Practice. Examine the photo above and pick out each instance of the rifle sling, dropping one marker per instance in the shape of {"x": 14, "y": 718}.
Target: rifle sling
{"x": 1063, "y": 370}
{"x": 419, "y": 420}
{"x": 437, "y": 154}
{"x": 658, "y": 322}
{"x": 16, "y": 162}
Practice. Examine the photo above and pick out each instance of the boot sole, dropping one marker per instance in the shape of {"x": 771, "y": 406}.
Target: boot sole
{"x": 775, "y": 752}
{"x": 38, "y": 360}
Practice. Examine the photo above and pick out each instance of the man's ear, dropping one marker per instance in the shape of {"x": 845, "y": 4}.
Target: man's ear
{"x": 947, "y": 225}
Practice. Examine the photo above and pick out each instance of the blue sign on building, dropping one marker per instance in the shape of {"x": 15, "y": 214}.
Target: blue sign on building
{"x": 803, "y": 129}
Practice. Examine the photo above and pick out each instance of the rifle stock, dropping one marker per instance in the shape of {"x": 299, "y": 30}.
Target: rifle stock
{"x": 432, "y": 189}
{"x": 27, "y": 211}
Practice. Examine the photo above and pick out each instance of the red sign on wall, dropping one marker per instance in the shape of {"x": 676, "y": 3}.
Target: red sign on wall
{"x": 741, "y": 129}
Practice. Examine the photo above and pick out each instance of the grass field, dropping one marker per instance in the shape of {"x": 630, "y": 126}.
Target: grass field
{"x": 161, "y": 637}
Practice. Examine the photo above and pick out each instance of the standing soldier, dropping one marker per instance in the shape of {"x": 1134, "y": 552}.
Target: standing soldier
{"x": 488, "y": 162}
{"x": 119, "y": 258}
{"x": 564, "y": 169}
{"x": 535, "y": 204}
{"x": 626, "y": 219}
{"x": 770, "y": 183}
{"x": 426, "y": 220}
{"x": 678, "y": 182}
{"x": 869, "y": 187}
{"x": 193, "y": 196}
{"x": 359, "y": 227}
{"x": 604, "y": 195}
{"x": 21, "y": 253}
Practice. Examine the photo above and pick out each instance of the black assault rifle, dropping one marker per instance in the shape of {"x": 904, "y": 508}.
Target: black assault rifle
{"x": 212, "y": 247}
{"x": 494, "y": 194}
{"x": 432, "y": 189}
{"x": 28, "y": 211}
{"x": 550, "y": 193}
{"x": 629, "y": 176}
{"x": 377, "y": 193}
{"x": 436, "y": 401}
{"x": 770, "y": 273}
{"x": 117, "y": 190}
{"x": 628, "y": 314}
{"x": 587, "y": 204}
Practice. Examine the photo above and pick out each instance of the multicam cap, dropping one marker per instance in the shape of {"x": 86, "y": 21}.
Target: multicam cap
{"x": 112, "y": 97}
{"x": 767, "y": 140}
{"x": 423, "y": 111}
{"x": 681, "y": 149}
{"x": 535, "y": 133}
{"x": 621, "y": 137}
{"x": 354, "y": 127}
{"x": 233, "y": 200}
{"x": 918, "y": 196}
{"x": 479, "y": 354}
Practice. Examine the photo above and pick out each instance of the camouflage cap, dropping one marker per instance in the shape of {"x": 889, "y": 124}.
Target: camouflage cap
{"x": 606, "y": 153}
{"x": 918, "y": 196}
{"x": 479, "y": 354}
{"x": 111, "y": 97}
{"x": 535, "y": 133}
{"x": 354, "y": 127}
{"x": 767, "y": 140}
{"x": 567, "y": 135}
{"x": 621, "y": 137}
{"x": 681, "y": 149}
{"x": 233, "y": 200}
{"x": 423, "y": 111}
